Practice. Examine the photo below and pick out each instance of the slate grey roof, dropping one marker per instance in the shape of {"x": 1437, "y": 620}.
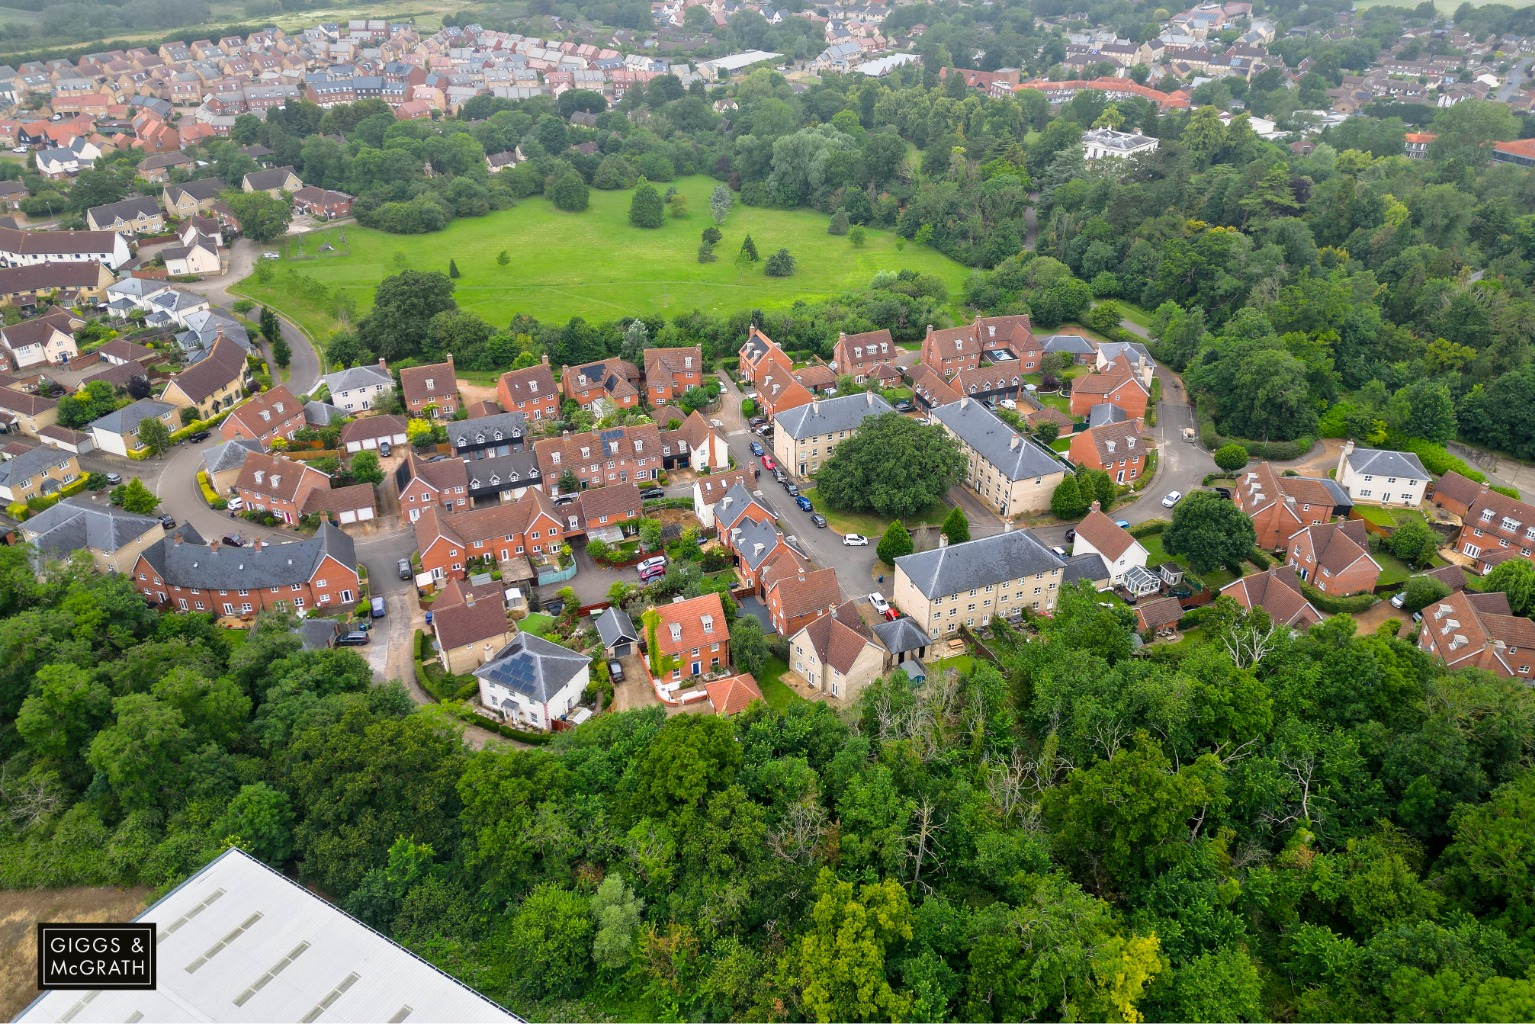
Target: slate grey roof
{"x": 273, "y": 178}
{"x": 19, "y": 468}
{"x": 321, "y": 414}
{"x": 354, "y": 377}
{"x": 229, "y": 455}
{"x": 317, "y": 634}
{"x": 193, "y": 564}
{"x": 827, "y": 416}
{"x": 978, "y": 563}
{"x": 994, "y": 440}
{"x": 127, "y": 209}
{"x": 1384, "y": 463}
{"x": 1105, "y": 413}
{"x": 1340, "y": 497}
{"x": 615, "y": 627}
{"x": 76, "y": 523}
{"x": 1075, "y": 344}
{"x": 1134, "y": 351}
{"x": 126, "y": 419}
{"x": 483, "y": 430}
{"x": 533, "y": 667}
{"x": 901, "y": 635}
{"x": 748, "y": 535}
{"x": 1087, "y": 566}
{"x": 135, "y": 287}
{"x": 504, "y": 472}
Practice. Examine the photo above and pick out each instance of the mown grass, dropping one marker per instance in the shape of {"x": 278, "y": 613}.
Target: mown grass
{"x": 870, "y": 525}
{"x": 595, "y": 265}
{"x": 775, "y": 691}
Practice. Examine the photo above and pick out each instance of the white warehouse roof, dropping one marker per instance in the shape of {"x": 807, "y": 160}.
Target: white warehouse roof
{"x": 240, "y": 942}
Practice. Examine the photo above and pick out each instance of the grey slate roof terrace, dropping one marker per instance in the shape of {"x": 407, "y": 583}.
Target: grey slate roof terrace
{"x": 978, "y": 563}
{"x": 1015, "y": 456}
{"x": 829, "y": 415}
{"x": 192, "y": 563}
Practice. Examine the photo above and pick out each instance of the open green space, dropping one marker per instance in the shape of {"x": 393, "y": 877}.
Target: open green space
{"x": 870, "y": 525}
{"x": 774, "y": 690}
{"x": 594, "y": 264}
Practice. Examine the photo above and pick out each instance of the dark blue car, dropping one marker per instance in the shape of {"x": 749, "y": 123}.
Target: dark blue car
{"x": 804, "y": 503}
{"x": 756, "y": 447}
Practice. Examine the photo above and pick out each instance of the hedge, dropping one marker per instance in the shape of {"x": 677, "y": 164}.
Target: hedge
{"x": 1151, "y": 404}
{"x": 1336, "y": 605}
{"x": 209, "y": 494}
{"x": 1438, "y": 461}
{"x": 1258, "y": 451}
{"x": 467, "y": 714}
{"x": 683, "y": 503}
{"x": 177, "y": 436}
{"x": 1148, "y": 528}
{"x": 1260, "y": 559}
{"x": 42, "y": 504}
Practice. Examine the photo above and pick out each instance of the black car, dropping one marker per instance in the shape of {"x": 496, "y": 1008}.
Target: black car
{"x": 1224, "y": 492}
{"x": 234, "y": 542}
{"x": 167, "y": 522}
{"x": 818, "y": 519}
{"x": 652, "y": 492}
{"x": 615, "y": 670}
{"x": 792, "y": 488}
{"x": 1071, "y": 535}
{"x": 903, "y": 406}
{"x": 357, "y": 639}
{"x": 200, "y": 436}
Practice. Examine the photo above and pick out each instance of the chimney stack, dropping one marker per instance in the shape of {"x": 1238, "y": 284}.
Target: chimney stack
{"x": 1096, "y": 506}
{"x": 256, "y": 544}
{"x": 943, "y": 540}
{"x": 1013, "y": 444}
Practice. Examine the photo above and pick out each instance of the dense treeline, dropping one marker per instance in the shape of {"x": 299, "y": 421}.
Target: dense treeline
{"x": 1323, "y": 827}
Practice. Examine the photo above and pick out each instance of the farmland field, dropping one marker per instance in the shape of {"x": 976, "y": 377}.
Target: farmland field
{"x": 594, "y": 264}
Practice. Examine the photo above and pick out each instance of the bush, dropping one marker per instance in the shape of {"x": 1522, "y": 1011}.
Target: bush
{"x": 780, "y": 264}
{"x": 1336, "y": 605}
{"x": 1438, "y": 461}
{"x": 1261, "y": 560}
{"x": 646, "y": 209}
{"x": 839, "y": 223}
{"x": 1231, "y": 457}
{"x": 1149, "y": 528}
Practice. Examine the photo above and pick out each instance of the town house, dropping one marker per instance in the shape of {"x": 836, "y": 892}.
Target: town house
{"x": 431, "y": 391}
{"x": 189, "y": 574}
{"x": 449, "y": 542}
{"x": 1007, "y": 470}
{"x": 265, "y": 417}
{"x": 530, "y": 391}
{"x": 966, "y": 584}
{"x": 599, "y": 457}
{"x": 672, "y": 372}
{"x": 422, "y": 485}
{"x": 690, "y": 637}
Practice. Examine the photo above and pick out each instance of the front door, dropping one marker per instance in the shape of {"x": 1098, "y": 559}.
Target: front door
{"x": 697, "y": 667}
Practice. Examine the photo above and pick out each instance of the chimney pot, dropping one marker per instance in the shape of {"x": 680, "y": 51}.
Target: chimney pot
{"x": 1096, "y": 506}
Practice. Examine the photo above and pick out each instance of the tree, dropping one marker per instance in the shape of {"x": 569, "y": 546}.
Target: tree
{"x": 711, "y": 235}
{"x": 280, "y": 352}
{"x": 570, "y": 193}
{"x": 1047, "y": 432}
{"x": 140, "y": 754}
{"x": 956, "y": 527}
{"x": 262, "y": 217}
{"x": 857, "y": 236}
{"x": 1067, "y": 501}
{"x": 636, "y": 340}
{"x": 154, "y": 435}
{"x": 678, "y": 204}
{"x": 780, "y": 264}
{"x": 134, "y": 497}
{"x": 650, "y": 533}
{"x": 1422, "y": 591}
{"x": 893, "y": 466}
{"x": 838, "y": 224}
{"x": 453, "y": 269}
{"x": 403, "y": 307}
{"x": 1515, "y": 579}
{"x": 749, "y": 249}
{"x": 503, "y": 258}
{"x": 1211, "y": 531}
{"x": 720, "y": 201}
{"x": 365, "y": 469}
{"x": 569, "y": 483}
{"x": 1414, "y": 542}
{"x": 550, "y": 942}
{"x": 895, "y": 543}
{"x": 748, "y": 645}
{"x": 841, "y": 964}
{"x": 1231, "y": 457}
{"x": 617, "y": 910}
{"x": 1423, "y": 409}
{"x": 646, "y": 209}
{"x": 259, "y": 820}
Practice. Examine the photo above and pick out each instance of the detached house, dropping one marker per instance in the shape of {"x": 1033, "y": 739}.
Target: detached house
{"x": 355, "y": 389}
{"x": 614, "y": 381}
{"x": 48, "y": 339}
{"x": 1121, "y": 553}
{"x": 708, "y": 490}
{"x": 1494, "y": 527}
{"x": 1281, "y": 505}
{"x": 470, "y": 624}
{"x": 759, "y": 350}
{"x": 265, "y": 417}
{"x": 118, "y": 432}
{"x": 796, "y": 596}
{"x": 1467, "y": 630}
{"x": 1382, "y": 477}
{"x": 1116, "y": 448}
{"x": 859, "y": 355}
{"x": 691, "y": 638}
{"x": 532, "y": 681}
{"x": 672, "y": 372}
{"x": 283, "y": 487}
{"x": 192, "y": 197}
{"x": 431, "y": 391}
{"x": 1118, "y": 384}
{"x": 1278, "y": 593}
{"x": 530, "y": 391}
{"x": 322, "y": 203}
{"x": 140, "y": 215}
{"x": 274, "y": 181}
{"x": 838, "y": 654}
{"x": 1335, "y": 557}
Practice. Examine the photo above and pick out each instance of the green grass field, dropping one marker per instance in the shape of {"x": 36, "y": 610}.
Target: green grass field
{"x": 594, "y": 264}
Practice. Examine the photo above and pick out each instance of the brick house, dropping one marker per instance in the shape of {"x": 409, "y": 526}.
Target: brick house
{"x": 212, "y": 384}
{"x": 366, "y": 433}
{"x": 1467, "y": 630}
{"x": 1278, "y": 593}
{"x": 1117, "y": 385}
{"x": 708, "y": 490}
{"x": 184, "y": 572}
{"x": 424, "y": 485}
{"x": 930, "y": 389}
{"x": 470, "y": 624}
{"x": 1456, "y": 493}
{"x": 530, "y": 391}
{"x": 448, "y": 541}
{"x": 603, "y": 508}
{"x": 324, "y": 203}
{"x": 432, "y": 385}
{"x": 757, "y": 351}
{"x": 856, "y": 355}
{"x": 778, "y": 389}
{"x": 796, "y": 597}
{"x": 757, "y": 545}
{"x": 271, "y": 414}
{"x": 602, "y": 457}
{"x": 1281, "y": 505}
{"x": 672, "y": 372}
{"x": 1116, "y": 448}
{"x": 615, "y": 381}
{"x": 1495, "y": 528}
{"x": 691, "y": 637}
{"x": 271, "y": 483}
{"x": 951, "y": 350}
{"x": 736, "y": 505}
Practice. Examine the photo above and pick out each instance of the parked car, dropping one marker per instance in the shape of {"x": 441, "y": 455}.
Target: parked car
{"x": 234, "y": 504}
{"x": 780, "y": 475}
{"x": 200, "y": 436}
{"x": 385, "y": 449}
{"x": 818, "y": 519}
{"x": 855, "y": 540}
{"x": 233, "y": 542}
{"x": 565, "y": 499}
{"x": 904, "y": 406}
{"x": 792, "y": 488}
{"x": 356, "y": 638}
{"x": 1071, "y": 535}
{"x": 757, "y": 449}
{"x": 403, "y": 567}
{"x": 764, "y": 430}
{"x": 804, "y": 503}
{"x": 1173, "y": 497}
{"x": 878, "y": 601}
{"x": 652, "y": 492}
{"x": 1224, "y": 492}
{"x": 376, "y": 607}
{"x": 270, "y": 256}
{"x": 1060, "y": 552}
{"x": 756, "y": 421}
{"x": 654, "y": 566}
{"x": 167, "y": 522}
{"x": 768, "y": 463}
{"x": 1399, "y": 599}
{"x": 1123, "y": 524}
{"x": 114, "y": 479}
{"x": 615, "y": 670}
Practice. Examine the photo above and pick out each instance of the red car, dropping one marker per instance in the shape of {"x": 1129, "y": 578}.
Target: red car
{"x": 768, "y": 463}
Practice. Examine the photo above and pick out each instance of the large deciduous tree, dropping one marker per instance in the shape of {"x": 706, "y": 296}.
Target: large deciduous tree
{"x": 402, "y": 312}
{"x": 1210, "y": 531}
{"x": 893, "y": 466}
{"x": 262, "y": 217}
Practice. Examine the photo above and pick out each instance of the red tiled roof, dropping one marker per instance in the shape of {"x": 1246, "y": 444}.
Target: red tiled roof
{"x": 690, "y": 619}
{"x": 733, "y": 695}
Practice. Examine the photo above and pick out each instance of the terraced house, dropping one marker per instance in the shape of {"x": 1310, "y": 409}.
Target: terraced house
{"x": 28, "y": 472}
{"x": 1007, "y": 470}
{"x": 804, "y": 437}
{"x": 599, "y": 457}
{"x": 966, "y": 584}
{"x": 450, "y": 541}
{"x": 192, "y": 575}
{"x": 615, "y": 381}
{"x": 671, "y": 373}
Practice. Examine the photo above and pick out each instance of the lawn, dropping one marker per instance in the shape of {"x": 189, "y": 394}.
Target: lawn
{"x": 1156, "y": 554}
{"x": 870, "y": 525}
{"x": 1392, "y": 569}
{"x": 537, "y": 623}
{"x": 594, "y": 264}
{"x": 960, "y": 663}
{"x": 774, "y": 690}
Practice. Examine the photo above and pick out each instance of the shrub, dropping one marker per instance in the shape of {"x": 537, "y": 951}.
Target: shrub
{"x": 1149, "y": 528}
{"x": 1260, "y": 559}
{"x": 646, "y": 209}
{"x": 1336, "y": 605}
{"x": 780, "y": 264}
{"x": 1231, "y": 457}
{"x": 839, "y": 224}
{"x": 1438, "y": 461}
{"x": 570, "y": 193}
{"x": 895, "y": 543}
